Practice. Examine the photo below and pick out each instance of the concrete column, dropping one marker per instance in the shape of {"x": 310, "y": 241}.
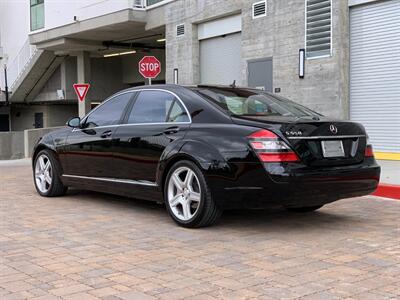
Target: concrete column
{"x": 83, "y": 76}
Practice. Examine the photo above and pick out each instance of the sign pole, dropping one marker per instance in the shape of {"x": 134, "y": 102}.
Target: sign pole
{"x": 6, "y": 84}
{"x": 82, "y": 76}
{"x": 149, "y": 81}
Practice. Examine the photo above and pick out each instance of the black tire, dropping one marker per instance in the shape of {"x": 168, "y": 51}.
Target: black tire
{"x": 56, "y": 187}
{"x": 303, "y": 209}
{"x": 207, "y": 212}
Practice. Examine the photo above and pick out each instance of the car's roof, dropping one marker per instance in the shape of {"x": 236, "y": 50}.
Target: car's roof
{"x": 191, "y": 87}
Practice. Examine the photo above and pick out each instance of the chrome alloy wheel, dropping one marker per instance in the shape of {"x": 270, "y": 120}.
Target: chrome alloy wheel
{"x": 184, "y": 193}
{"x": 43, "y": 173}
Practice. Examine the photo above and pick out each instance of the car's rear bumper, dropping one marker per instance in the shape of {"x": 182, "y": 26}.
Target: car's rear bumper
{"x": 293, "y": 185}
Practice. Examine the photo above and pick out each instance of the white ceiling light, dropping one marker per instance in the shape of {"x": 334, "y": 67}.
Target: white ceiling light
{"x": 118, "y": 54}
{"x": 161, "y": 40}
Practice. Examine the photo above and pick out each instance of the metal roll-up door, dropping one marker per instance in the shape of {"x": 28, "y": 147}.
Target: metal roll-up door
{"x": 220, "y": 59}
{"x": 375, "y": 72}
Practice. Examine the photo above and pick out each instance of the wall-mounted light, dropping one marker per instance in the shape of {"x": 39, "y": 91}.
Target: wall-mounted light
{"x": 302, "y": 54}
{"x": 118, "y": 54}
{"x": 161, "y": 40}
{"x": 175, "y": 76}
{"x": 60, "y": 94}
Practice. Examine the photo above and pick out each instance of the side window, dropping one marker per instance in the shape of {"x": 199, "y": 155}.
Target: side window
{"x": 156, "y": 107}
{"x": 177, "y": 113}
{"x": 109, "y": 113}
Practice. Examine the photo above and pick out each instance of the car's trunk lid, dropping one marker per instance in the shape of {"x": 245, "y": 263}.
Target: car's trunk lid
{"x": 317, "y": 141}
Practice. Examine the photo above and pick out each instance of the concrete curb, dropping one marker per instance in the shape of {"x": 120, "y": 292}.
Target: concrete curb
{"x": 388, "y": 191}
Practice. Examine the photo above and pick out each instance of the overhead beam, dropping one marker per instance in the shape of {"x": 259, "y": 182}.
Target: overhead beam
{"x": 112, "y": 44}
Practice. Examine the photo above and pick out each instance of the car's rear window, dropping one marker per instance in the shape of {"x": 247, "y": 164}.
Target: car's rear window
{"x": 246, "y": 102}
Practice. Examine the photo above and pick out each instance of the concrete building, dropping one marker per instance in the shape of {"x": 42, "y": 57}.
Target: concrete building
{"x": 339, "y": 57}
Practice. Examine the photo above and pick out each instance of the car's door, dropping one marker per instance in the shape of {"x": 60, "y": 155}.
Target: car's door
{"x": 88, "y": 150}
{"x": 157, "y": 119}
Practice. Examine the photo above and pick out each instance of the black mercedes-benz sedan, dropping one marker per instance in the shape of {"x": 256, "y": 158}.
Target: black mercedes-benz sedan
{"x": 203, "y": 149}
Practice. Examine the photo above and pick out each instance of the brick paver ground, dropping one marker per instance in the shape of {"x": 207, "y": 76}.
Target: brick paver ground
{"x": 95, "y": 246}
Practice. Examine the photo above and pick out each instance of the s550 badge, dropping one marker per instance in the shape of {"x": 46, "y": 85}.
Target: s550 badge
{"x": 294, "y": 133}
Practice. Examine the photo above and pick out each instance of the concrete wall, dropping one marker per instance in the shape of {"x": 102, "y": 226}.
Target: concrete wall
{"x": 32, "y": 136}
{"x": 107, "y": 77}
{"x": 279, "y": 35}
{"x": 58, "y": 115}
{"x": 19, "y": 144}
{"x": 23, "y": 116}
{"x": 69, "y": 77}
{"x": 11, "y": 145}
{"x": 49, "y": 90}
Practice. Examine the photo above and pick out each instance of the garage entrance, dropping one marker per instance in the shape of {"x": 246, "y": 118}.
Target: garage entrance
{"x": 220, "y": 59}
{"x": 375, "y": 72}
{"x": 220, "y": 43}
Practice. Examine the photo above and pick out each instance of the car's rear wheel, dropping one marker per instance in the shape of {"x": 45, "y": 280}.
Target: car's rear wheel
{"x": 304, "y": 209}
{"x": 46, "y": 173}
{"x": 188, "y": 198}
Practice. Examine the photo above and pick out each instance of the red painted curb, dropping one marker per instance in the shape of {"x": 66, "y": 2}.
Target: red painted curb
{"x": 388, "y": 191}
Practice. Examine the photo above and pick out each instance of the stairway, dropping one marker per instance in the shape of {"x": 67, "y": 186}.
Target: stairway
{"x": 34, "y": 76}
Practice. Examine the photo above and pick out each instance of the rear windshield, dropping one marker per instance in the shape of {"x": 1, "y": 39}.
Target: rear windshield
{"x": 246, "y": 102}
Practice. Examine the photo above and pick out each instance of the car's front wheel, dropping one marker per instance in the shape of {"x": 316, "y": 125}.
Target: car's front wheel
{"x": 46, "y": 173}
{"x": 188, "y": 198}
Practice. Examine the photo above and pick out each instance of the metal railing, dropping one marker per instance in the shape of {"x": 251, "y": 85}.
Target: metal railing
{"x": 20, "y": 62}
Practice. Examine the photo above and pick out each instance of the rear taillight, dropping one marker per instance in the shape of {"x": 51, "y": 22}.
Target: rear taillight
{"x": 368, "y": 150}
{"x": 270, "y": 148}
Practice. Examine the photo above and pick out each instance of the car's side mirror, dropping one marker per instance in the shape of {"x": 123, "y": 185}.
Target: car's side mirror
{"x": 74, "y": 122}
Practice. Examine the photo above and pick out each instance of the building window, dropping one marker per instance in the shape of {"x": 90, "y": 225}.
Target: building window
{"x": 152, "y": 2}
{"x": 37, "y": 14}
{"x": 318, "y": 28}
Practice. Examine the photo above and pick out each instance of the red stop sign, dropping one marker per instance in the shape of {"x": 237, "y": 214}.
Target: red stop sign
{"x": 149, "y": 67}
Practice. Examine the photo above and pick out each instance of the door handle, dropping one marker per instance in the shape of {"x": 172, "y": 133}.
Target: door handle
{"x": 171, "y": 130}
{"x": 106, "y": 134}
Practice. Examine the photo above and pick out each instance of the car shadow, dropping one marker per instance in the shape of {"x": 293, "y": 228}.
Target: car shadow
{"x": 274, "y": 220}
{"x": 110, "y": 199}
{"x": 280, "y": 219}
